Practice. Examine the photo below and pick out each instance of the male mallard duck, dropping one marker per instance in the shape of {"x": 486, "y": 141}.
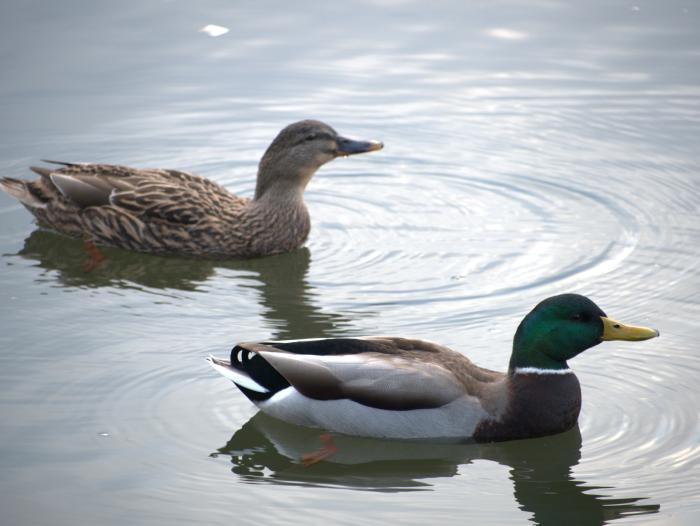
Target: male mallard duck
{"x": 174, "y": 212}
{"x": 413, "y": 389}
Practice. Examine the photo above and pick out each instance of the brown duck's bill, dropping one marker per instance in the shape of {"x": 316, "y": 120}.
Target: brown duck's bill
{"x": 351, "y": 147}
{"x": 614, "y": 330}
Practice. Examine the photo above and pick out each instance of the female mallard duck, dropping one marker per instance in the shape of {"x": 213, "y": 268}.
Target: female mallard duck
{"x": 413, "y": 389}
{"x": 174, "y": 212}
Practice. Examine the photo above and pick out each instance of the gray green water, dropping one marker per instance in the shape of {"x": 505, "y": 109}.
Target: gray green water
{"x": 532, "y": 148}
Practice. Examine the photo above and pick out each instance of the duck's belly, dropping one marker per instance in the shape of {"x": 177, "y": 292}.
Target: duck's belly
{"x": 453, "y": 421}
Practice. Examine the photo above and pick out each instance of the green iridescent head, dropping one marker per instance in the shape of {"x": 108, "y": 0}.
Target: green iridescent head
{"x": 561, "y": 327}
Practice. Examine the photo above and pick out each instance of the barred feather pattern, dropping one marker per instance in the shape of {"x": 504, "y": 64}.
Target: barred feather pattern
{"x": 165, "y": 212}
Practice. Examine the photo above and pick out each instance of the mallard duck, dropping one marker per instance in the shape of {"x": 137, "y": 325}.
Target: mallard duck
{"x": 173, "y": 212}
{"x": 406, "y": 388}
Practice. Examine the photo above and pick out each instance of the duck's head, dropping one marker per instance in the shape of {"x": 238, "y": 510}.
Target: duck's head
{"x": 563, "y": 326}
{"x": 298, "y": 151}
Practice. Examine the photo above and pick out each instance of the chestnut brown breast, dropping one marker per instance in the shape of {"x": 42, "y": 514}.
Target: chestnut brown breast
{"x": 539, "y": 405}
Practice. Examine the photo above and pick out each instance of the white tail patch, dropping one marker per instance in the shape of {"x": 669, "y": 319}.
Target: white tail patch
{"x": 237, "y": 377}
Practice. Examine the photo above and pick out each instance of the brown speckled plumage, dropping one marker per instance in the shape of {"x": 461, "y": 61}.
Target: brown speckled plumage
{"x": 174, "y": 212}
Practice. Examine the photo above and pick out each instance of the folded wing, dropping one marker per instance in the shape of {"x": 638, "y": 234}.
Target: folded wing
{"x": 373, "y": 372}
{"x": 168, "y": 195}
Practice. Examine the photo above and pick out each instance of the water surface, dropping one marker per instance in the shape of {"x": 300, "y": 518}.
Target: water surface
{"x": 532, "y": 148}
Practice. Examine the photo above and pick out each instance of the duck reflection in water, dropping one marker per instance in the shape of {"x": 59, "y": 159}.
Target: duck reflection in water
{"x": 285, "y": 294}
{"x": 268, "y": 450}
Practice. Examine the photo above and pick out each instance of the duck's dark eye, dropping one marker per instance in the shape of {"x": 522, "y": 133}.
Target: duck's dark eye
{"x": 576, "y": 317}
{"x": 310, "y": 137}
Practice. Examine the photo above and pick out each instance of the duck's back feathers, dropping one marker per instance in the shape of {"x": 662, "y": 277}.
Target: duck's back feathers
{"x": 374, "y": 379}
{"x": 150, "y": 210}
{"x": 147, "y": 191}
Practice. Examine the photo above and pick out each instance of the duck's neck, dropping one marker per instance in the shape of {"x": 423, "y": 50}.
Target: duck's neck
{"x": 534, "y": 360}
{"x": 281, "y": 219}
{"x": 281, "y": 186}
{"x": 283, "y": 206}
{"x": 535, "y": 348}
{"x": 280, "y": 195}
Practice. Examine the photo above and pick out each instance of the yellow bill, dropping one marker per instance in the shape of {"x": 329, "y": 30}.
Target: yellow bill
{"x": 614, "y": 330}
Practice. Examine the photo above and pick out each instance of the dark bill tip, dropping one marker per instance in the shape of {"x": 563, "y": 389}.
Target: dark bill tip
{"x": 352, "y": 147}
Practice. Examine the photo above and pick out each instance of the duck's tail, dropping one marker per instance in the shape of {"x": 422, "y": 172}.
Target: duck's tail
{"x": 237, "y": 376}
{"x": 22, "y": 191}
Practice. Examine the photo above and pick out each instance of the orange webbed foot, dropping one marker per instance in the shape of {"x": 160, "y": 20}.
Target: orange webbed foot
{"x": 96, "y": 257}
{"x": 328, "y": 448}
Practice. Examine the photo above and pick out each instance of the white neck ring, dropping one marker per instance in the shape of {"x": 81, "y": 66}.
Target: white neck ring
{"x": 537, "y": 370}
